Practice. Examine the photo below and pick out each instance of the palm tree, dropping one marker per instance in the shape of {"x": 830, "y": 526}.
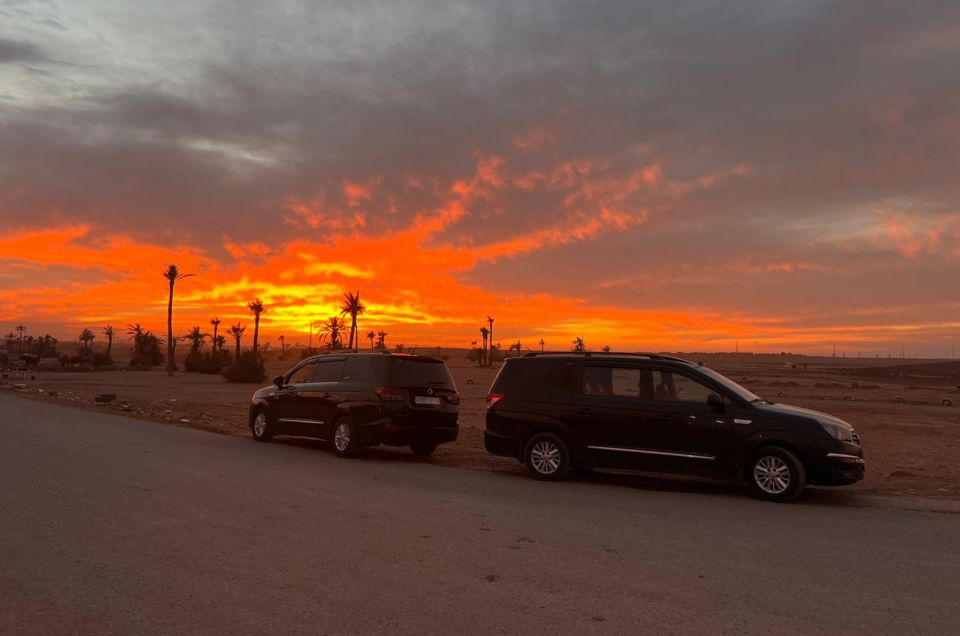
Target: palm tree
{"x": 216, "y": 326}
{"x": 542, "y": 343}
{"x": 136, "y": 331}
{"x": 108, "y": 332}
{"x": 332, "y": 328}
{"x": 352, "y": 307}
{"x": 237, "y": 332}
{"x": 21, "y": 332}
{"x": 172, "y": 274}
{"x": 86, "y": 338}
{"x": 578, "y": 345}
{"x": 283, "y": 343}
{"x": 258, "y": 309}
{"x": 490, "y": 358}
{"x": 371, "y": 335}
{"x": 195, "y": 337}
{"x": 483, "y": 354}
{"x": 220, "y": 341}
{"x": 382, "y": 340}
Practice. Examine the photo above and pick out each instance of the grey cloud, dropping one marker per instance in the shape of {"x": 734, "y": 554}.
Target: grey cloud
{"x": 12, "y": 51}
{"x": 338, "y": 92}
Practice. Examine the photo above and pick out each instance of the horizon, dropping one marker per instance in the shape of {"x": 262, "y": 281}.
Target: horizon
{"x": 685, "y": 186}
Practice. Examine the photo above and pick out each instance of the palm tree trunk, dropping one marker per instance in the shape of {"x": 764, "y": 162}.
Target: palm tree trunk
{"x": 238, "y": 350}
{"x": 170, "y": 331}
{"x": 256, "y": 332}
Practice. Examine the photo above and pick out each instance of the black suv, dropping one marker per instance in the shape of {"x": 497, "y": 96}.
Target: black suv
{"x": 361, "y": 399}
{"x": 662, "y": 414}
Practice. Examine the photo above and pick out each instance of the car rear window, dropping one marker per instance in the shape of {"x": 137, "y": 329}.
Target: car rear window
{"x": 395, "y": 371}
{"x": 536, "y": 376}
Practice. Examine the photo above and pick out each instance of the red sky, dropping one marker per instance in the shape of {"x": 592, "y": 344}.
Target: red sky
{"x": 783, "y": 177}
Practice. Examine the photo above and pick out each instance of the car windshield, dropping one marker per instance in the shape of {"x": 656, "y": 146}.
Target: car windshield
{"x": 730, "y": 385}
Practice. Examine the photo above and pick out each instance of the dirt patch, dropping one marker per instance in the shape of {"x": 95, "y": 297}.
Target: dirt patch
{"x": 912, "y": 448}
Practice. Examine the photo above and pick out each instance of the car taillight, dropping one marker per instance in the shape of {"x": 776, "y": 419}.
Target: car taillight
{"x": 493, "y": 398}
{"x": 453, "y": 398}
{"x": 390, "y": 394}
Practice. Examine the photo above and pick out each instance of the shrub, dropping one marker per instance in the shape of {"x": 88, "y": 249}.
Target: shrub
{"x": 213, "y": 362}
{"x": 100, "y": 359}
{"x": 247, "y": 368}
{"x": 146, "y": 351}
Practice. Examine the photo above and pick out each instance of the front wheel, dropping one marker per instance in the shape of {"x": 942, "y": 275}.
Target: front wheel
{"x": 547, "y": 457}
{"x": 261, "y": 427}
{"x": 344, "y": 440}
{"x": 776, "y": 474}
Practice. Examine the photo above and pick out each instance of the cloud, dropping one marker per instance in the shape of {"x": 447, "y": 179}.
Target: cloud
{"x": 15, "y": 51}
{"x": 717, "y": 159}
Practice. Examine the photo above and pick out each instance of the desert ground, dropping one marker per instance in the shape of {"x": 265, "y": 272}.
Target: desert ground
{"x": 907, "y": 411}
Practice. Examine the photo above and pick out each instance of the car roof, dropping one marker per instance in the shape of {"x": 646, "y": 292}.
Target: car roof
{"x": 375, "y": 354}
{"x": 607, "y": 355}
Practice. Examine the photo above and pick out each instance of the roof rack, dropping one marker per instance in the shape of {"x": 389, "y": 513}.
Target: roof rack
{"x": 588, "y": 354}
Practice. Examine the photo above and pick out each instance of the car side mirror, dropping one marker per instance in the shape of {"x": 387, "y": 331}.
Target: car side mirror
{"x": 715, "y": 401}
{"x": 278, "y": 381}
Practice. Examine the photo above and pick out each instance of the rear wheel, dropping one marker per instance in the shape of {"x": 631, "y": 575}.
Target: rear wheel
{"x": 344, "y": 438}
{"x": 547, "y": 457}
{"x": 261, "y": 427}
{"x": 776, "y": 474}
{"x": 423, "y": 450}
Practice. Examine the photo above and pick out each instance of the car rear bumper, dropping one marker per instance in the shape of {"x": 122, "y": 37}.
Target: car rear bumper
{"x": 385, "y": 431}
{"x": 502, "y": 445}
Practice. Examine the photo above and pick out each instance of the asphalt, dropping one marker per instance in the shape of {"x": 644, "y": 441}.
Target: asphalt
{"x": 110, "y": 525}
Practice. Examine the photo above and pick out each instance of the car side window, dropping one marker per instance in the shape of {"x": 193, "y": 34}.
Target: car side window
{"x": 328, "y": 371}
{"x": 676, "y": 387}
{"x": 303, "y": 374}
{"x": 611, "y": 381}
{"x": 358, "y": 369}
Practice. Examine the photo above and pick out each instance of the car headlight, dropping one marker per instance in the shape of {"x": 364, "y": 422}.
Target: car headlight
{"x": 837, "y": 431}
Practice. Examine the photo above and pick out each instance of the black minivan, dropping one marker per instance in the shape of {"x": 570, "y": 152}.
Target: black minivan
{"x": 658, "y": 413}
{"x": 361, "y": 399}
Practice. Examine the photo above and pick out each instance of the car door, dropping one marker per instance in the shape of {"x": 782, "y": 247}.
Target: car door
{"x": 286, "y": 403}
{"x": 318, "y": 397}
{"x": 686, "y": 421}
{"x": 608, "y": 414}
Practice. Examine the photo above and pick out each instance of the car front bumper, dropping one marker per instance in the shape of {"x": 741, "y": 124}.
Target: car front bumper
{"x": 839, "y": 464}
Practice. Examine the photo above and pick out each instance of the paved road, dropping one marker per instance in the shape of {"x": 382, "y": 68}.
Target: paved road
{"x": 114, "y": 525}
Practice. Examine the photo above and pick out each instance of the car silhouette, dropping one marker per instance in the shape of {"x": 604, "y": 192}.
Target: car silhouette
{"x": 658, "y": 413}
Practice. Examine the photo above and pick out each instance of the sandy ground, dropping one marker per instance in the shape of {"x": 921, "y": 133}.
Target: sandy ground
{"x": 912, "y": 442}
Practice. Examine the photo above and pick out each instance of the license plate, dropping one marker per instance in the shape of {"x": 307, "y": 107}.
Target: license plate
{"x": 423, "y": 399}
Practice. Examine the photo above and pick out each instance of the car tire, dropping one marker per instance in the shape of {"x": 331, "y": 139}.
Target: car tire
{"x": 261, "y": 427}
{"x": 423, "y": 450}
{"x": 547, "y": 457}
{"x": 344, "y": 440}
{"x": 775, "y": 474}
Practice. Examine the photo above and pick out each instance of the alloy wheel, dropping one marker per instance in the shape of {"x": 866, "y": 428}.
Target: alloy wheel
{"x": 545, "y": 457}
{"x": 772, "y": 475}
{"x": 341, "y": 437}
{"x": 260, "y": 424}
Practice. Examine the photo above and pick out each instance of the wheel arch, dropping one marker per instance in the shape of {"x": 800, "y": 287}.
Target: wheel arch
{"x": 767, "y": 439}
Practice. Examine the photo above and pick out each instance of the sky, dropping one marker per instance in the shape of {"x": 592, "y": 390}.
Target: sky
{"x": 682, "y": 176}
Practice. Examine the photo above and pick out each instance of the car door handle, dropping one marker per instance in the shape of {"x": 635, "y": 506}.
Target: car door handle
{"x": 584, "y": 410}
{"x": 327, "y": 395}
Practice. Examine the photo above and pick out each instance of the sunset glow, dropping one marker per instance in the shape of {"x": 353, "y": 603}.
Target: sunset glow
{"x": 566, "y": 194}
